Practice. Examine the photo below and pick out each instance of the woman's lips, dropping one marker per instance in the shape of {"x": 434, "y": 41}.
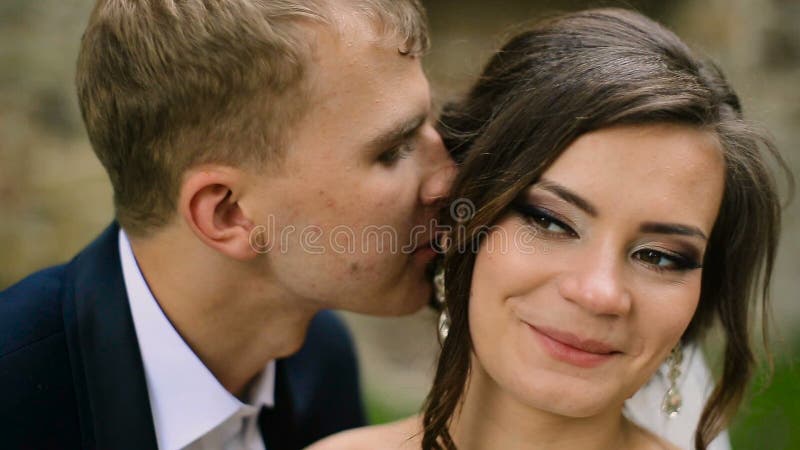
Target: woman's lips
{"x": 572, "y": 349}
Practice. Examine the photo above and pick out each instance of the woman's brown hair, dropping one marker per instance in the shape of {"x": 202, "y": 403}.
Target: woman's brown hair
{"x": 585, "y": 71}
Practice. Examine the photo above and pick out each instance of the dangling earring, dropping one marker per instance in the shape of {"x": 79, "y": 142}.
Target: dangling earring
{"x": 438, "y": 287}
{"x": 673, "y": 401}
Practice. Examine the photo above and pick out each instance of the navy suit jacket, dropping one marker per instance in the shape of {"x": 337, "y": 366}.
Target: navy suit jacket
{"x": 71, "y": 375}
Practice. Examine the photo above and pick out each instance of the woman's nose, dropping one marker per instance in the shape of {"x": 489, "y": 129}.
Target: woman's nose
{"x": 596, "y": 283}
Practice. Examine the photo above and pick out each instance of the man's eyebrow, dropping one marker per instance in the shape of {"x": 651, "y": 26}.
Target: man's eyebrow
{"x": 647, "y": 227}
{"x": 398, "y": 132}
{"x": 568, "y": 196}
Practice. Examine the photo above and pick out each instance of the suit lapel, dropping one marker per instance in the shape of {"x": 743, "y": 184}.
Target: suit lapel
{"x": 277, "y": 424}
{"x": 107, "y": 367}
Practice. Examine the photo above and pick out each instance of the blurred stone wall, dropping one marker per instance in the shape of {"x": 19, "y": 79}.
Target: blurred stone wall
{"x": 55, "y": 197}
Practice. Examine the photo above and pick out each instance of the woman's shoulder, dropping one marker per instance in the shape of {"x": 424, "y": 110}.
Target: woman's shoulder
{"x": 404, "y": 434}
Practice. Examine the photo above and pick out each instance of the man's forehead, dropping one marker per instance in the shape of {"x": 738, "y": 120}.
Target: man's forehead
{"x": 361, "y": 86}
{"x": 352, "y": 37}
{"x": 369, "y": 25}
{"x": 360, "y": 65}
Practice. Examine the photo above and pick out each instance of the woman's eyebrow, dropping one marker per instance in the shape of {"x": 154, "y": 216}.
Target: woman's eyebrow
{"x": 672, "y": 228}
{"x": 567, "y": 195}
{"x": 647, "y": 227}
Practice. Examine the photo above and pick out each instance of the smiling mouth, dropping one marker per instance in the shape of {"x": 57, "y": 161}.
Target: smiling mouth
{"x": 572, "y": 349}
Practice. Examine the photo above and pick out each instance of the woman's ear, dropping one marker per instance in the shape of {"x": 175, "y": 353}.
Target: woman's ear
{"x": 209, "y": 204}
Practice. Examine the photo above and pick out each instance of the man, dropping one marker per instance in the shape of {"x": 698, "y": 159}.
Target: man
{"x": 259, "y": 152}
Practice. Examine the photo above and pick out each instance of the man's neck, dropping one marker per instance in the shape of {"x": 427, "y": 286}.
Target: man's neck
{"x": 228, "y": 313}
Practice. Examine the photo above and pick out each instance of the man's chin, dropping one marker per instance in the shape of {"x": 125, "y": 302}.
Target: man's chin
{"x": 401, "y": 303}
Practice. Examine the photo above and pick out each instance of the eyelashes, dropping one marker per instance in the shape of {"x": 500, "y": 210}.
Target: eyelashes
{"x": 395, "y": 154}
{"x": 663, "y": 260}
{"x": 550, "y": 225}
{"x": 545, "y": 221}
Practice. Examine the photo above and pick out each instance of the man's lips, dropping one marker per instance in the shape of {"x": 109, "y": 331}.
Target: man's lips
{"x": 424, "y": 246}
{"x": 433, "y": 243}
{"x": 424, "y": 253}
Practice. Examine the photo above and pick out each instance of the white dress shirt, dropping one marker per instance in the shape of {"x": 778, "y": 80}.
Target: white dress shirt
{"x": 191, "y": 409}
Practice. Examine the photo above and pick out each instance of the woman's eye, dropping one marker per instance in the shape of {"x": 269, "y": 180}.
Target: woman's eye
{"x": 545, "y": 221}
{"x": 549, "y": 224}
{"x": 665, "y": 261}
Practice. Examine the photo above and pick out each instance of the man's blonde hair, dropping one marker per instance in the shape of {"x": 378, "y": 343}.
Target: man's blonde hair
{"x": 164, "y": 85}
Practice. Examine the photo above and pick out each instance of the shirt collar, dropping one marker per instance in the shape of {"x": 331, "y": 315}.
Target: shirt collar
{"x": 186, "y": 400}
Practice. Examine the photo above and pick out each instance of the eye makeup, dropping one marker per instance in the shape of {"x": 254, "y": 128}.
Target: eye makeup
{"x": 662, "y": 260}
{"x": 545, "y": 221}
{"x": 535, "y": 208}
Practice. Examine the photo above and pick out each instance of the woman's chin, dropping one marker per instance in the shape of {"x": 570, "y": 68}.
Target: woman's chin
{"x": 577, "y": 408}
{"x": 577, "y": 399}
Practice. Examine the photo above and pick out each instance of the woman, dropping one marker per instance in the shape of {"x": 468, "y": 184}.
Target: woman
{"x": 621, "y": 206}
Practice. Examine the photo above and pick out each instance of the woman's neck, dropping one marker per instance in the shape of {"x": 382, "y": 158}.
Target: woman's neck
{"x": 490, "y": 417}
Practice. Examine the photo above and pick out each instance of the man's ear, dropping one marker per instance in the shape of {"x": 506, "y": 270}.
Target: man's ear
{"x": 209, "y": 204}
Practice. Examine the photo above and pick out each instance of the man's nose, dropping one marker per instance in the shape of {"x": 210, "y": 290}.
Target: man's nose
{"x": 597, "y": 284}
{"x": 440, "y": 170}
